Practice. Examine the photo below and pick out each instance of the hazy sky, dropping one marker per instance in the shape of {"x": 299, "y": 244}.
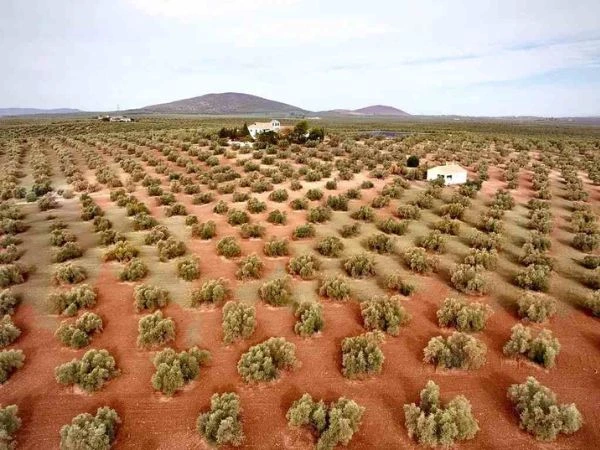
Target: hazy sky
{"x": 478, "y": 57}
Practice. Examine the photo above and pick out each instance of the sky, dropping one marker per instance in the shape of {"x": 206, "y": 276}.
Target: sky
{"x": 485, "y": 58}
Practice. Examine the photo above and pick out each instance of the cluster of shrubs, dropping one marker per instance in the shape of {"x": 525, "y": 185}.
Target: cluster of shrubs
{"x": 540, "y": 414}
{"x": 336, "y": 288}
{"x": 362, "y": 355}
{"x": 360, "y": 265}
{"x": 276, "y": 292}
{"x": 213, "y": 292}
{"x": 175, "y": 370}
{"x": 276, "y": 247}
{"x": 239, "y": 321}
{"x": 264, "y": 361}
{"x": 206, "y": 230}
{"x": 457, "y": 351}
{"x": 88, "y": 431}
{"x": 309, "y": 317}
{"x": 10, "y": 422}
{"x": 188, "y": 268}
{"x": 79, "y": 333}
{"x": 249, "y": 267}
{"x": 418, "y": 260}
{"x": 155, "y": 330}
{"x": 70, "y": 301}
{"x": 384, "y": 314}
{"x": 305, "y": 266}
{"x": 535, "y": 307}
{"x": 465, "y": 317}
{"x": 542, "y": 349}
{"x": 434, "y": 424}
{"x": 90, "y": 373}
{"x": 222, "y": 425}
{"x": 334, "y": 424}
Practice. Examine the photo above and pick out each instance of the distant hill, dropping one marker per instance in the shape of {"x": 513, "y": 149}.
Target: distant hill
{"x": 374, "y": 110}
{"x": 381, "y": 110}
{"x": 228, "y": 103}
{"x": 34, "y": 111}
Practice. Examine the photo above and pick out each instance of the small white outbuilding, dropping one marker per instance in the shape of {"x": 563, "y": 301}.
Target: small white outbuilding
{"x": 451, "y": 174}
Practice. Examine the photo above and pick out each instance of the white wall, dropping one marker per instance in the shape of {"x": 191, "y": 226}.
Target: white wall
{"x": 456, "y": 178}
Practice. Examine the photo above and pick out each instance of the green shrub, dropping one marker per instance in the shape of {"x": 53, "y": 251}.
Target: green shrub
{"x": 90, "y": 432}
{"x": 276, "y": 247}
{"x": 318, "y": 214}
{"x": 70, "y": 250}
{"x": 384, "y": 314}
{"x": 485, "y": 258}
{"x": 10, "y": 361}
{"x": 361, "y": 355}
{"x": 586, "y": 242}
{"x": 304, "y": 231}
{"x": 60, "y": 237}
{"x": 8, "y": 302}
{"x": 79, "y": 334}
{"x": 157, "y": 234}
{"x": 175, "y": 370}
{"x": 364, "y": 213}
{"x": 122, "y": 251}
{"x": 541, "y": 349}
{"x": 334, "y": 424}
{"x": 408, "y": 212}
{"x": 330, "y": 246}
{"x": 433, "y": 424}
{"x": 229, "y": 247}
{"x": 334, "y": 287}
{"x": 305, "y": 266}
{"x": 90, "y": 373}
{"x": 434, "y": 242}
{"x": 469, "y": 279}
{"x": 396, "y": 283}
{"x": 503, "y": 200}
{"x": 206, "y": 230}
{"x": 212, "y": 291}
{"x": 222, "y": 424}
{"x": 299, "y": 203}
{"x": 348, "y": 231}
{"x": 134, "y": 270}
{"x": 447, "y": 226}
{"x": 10, "y": 423}
{"x": 314, "y": 194}
{"x": 381, "y": 201}
{"x": 255, "y": 206}
{"x": 148, "y": 297}
{"x": 380, "y": 243}
{"x": 310, "y": 318}
{"x": 144, "y": 221}
{"x": 484, "y": 241}
{"x": 452, "y": 211}
{"x": 276, "y": 292}
{"x": 264, "y": 361}
{"x": 360, "y": 265}
{"x": 592, "y": 303}
{"x": 155, "y": 330}
{"x": 278, "y": 195}
{"x": 466, "y": 317}
{"x": 591, "y": 261}
{"x": 277, "y": 217}
{"x": 250, "y": 267}
{"x": 337, "y": 202}
{"x": 237, "y": 217}
{"x": 221, "y": 207}
{"x": 392, "y": 226}
{"x": 110, "y": 237}
{"x": 71, "y": 301}
{"x": 539, "y": 414}
{"x": 11, "y": 274}
{"x": 170, "y": 248}
{"x": 457, "y": 351}
{"x": 239, "y": 321}
{"x": 176, "y": 209}
{"x": 536, "y": 308}
{"x": 419, "y": 261}
{"x": 69, "y": 273}
{"x": 191, "y": 220}
{"x": 9, "y": 332}
{"x": 534, "y": 277}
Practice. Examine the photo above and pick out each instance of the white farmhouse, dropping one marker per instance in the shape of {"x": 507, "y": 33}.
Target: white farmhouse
{"x": 451, "y": 174}
{"x": 260, "y": 127}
